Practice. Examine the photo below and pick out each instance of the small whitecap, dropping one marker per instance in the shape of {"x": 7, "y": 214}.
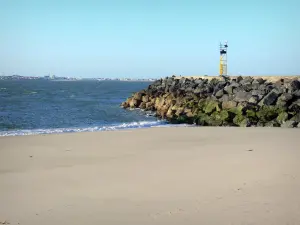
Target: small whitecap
{"x": 120, "y": 126}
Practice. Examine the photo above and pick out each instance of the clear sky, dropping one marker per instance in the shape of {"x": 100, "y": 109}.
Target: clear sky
{"x": 148, "y": 38}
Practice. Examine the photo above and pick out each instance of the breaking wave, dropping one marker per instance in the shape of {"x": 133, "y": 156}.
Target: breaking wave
{"x": 121, "y": 126}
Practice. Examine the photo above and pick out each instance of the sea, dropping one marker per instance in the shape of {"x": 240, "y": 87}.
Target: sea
{"x": 30, "y": 107}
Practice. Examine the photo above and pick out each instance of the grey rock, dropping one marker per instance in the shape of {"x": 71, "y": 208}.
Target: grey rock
{"x": 209, "y": 89}
{"x": 247, "y": 86}
{"x": 289, "y": 124}
{"x": 295, "y": 106}
{"x": 182, "y": 81}
{"x": 199, "y": 81}
{"x": 226, "y": 78}
{"x": 235, "y": 90}
{"x": 272, "y": 124}
{"x": 295, "y": 85}
{"x": 225, "y": 98}
{"x": 242, "y": 96}
{"x": 239, "y": 79}
{"x": 212, "y": 97}
{"x": 282, "y": 117}
{"x": 255, "y": 85}
{"x": 258, "y": 92}
{"x": 246, "y": 80}
{"x": 262, "y": 87}
{"x": 214, "y": 81}
{"x": 260, "y": 80}
{"x": 245, "y": 123}
{"x": 169, "y": 81}
{"x": 281, "y": 103}
{"x": 234, "y": 84}
{"x": 286, "y": 97}
{"x": 229, "y": 104}
{"x": 229, "y": 89}
{"x": 189, "y": 89}
{"x": 296, "y": 94}
{"x": 270, "y": 98}
{"x": 296, "y": 118}
{"x": 271, "y": 87}
{"x": 221, "y": 84}
{"x": 260, "y": 124}
{"x": 219, "y": 93}
{"x": 260, "y": 97}
{"x": 253, "y": 99}
{"x": 198, "y": 90}
{"x": 279, "y": 83}
{"x": 280, "y": 90}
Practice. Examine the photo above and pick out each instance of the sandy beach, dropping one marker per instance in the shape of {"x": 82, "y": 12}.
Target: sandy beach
{"x": 185, "y": 175}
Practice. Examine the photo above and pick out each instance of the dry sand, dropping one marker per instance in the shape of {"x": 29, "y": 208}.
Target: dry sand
{"x": 152, "y": 176}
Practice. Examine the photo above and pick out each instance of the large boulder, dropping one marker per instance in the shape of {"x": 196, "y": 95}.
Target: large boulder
{"x": 239, "y": 79}
{"x": 246, "y": 80}
{"x": 179, "y": 111}
{"x": 142, "y": 105}
{"x": 247, "y": 83}
{"x": 134, "y": 103}
{"x": 215, "y": 119}
{"x": 271, "y": 98}
{"x": 211, "y": 106}
{"x": 296, "y": 118}
{"x": 239, "y": 110}
{"x": 272, "y": 123}
{"x": 295, "y": 106}
{"x": 268, "y": 113}
{"x": 201, "y": 119}
{"x": 229, "y": 104}
{"x": 282, "y": 117}
{"x": 241, "y": 121}
{"x": 242, "y": 96}
{"x": 260, "y": 80}
{"x": 254, "y": 99}
{"x": 229, "y": 89}
{"x": 295, "y": 85}
{"x": 296, "y": 94}
{"x": 219, "y": 93}
{"x": 138, "y": 96}
{"x": 255, "y": 85}
{"x": 150, "y": 106}
{"x": 286, "y": 97}
{"x": 145, "y": 98}
{"x": 289, "y": 124}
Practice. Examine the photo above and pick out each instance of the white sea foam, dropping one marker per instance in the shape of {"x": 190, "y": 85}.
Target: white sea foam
{"x": 121, "y": 126}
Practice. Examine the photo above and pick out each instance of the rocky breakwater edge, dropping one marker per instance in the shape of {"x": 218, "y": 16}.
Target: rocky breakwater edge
{"x": 224, "y": 101}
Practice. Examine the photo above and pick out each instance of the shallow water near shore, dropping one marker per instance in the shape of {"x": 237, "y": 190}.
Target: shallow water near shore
{"x": 42, "y": 107}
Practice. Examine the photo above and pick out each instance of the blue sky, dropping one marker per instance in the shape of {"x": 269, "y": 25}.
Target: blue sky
{"x": 148, "y": 38}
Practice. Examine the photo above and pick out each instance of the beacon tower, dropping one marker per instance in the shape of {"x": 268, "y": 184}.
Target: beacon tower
{"x": 223, "y": 59}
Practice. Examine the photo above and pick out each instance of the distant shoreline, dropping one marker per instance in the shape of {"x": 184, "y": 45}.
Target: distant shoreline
{"x": 271, "y": 78}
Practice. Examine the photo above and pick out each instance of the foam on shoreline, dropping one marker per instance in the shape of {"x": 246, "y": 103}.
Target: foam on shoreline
{"x": 120, "y": 126}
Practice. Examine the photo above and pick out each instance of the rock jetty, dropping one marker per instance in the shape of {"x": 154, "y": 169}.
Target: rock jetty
{"x": 225, "y": 101}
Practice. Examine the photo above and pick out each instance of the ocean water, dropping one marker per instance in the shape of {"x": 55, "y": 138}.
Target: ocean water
{"x": 41, "y": 107}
